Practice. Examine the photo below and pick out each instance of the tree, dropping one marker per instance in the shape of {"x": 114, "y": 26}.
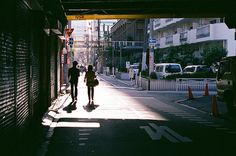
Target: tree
{"x": 213, "y": 54}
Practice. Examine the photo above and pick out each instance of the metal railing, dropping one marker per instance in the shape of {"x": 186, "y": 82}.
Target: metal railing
{"x": 180, "y": 84}
{"x": 203, "y": 32}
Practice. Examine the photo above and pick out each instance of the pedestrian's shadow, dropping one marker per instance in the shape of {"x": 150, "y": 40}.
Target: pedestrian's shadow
{"x": 69, "y": 108}
{"x": 90, "y": 107}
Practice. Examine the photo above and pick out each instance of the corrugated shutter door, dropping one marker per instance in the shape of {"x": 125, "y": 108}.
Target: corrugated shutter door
{"x": 22, "y": 64}
{"x": 53, "y": 67}
{"x": 7, "y": 85}
{"x": 35, "y": 78}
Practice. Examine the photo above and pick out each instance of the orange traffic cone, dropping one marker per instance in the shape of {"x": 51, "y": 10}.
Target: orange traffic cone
{"x": 190, "y": 94}
{"x": 215, "y": 111}
{"x": 206, "y": 90}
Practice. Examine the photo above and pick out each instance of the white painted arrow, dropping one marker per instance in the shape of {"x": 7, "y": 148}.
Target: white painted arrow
{"x": 156, "y": 133}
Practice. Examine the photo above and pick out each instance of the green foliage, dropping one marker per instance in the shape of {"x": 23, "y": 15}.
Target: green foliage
{"x": 122, "y": 69}
{"x": 184, "y": 54}
{"x": 144, "y": 73}
{"x": 153, "y": 75}
{"x": 213, "y": 54}
{"x": 194, "y": 75}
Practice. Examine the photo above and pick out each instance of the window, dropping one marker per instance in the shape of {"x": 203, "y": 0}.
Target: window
{"x": 159, "y": 68}
{"x": 213, "y": 21}
{"x": 189, "y": 69}
{"x": 172, "y": 68}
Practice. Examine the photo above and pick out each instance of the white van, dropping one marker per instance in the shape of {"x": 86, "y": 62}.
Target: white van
{"x": 196, "y": 68}
{"x": 164, "y": 69}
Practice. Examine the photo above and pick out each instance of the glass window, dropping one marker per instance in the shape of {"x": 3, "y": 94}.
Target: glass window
{"x": 172, "y": 68}
{"x": 189, "y": 69}
{"x": 159, "y": 68}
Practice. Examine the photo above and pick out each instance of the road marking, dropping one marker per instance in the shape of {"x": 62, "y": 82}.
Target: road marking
{"x": 191, "y": 117}
{"x": 85, "y": 130}
{"x": 164, "y": 131}
{"x": 213, "y": 125}
{"x": 83, "y": 139}
{"x": 205, "y": 122}
{"x": 197, "y": 120}
{"x": 83, "y": 134}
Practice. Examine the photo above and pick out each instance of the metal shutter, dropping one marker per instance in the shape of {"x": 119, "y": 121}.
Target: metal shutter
{"x": 22, "y": 64}
{"x": 7, "y": 85}
{"x": 35, "y": 71}
{"x": 53, "y": 69}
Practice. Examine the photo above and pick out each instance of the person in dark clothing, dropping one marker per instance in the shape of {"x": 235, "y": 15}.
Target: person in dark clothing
{"x": 89, "y": 79}
{"x": 73, "y": 75}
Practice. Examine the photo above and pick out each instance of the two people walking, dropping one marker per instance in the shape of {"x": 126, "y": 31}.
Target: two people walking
{"x": 89, "y": 79}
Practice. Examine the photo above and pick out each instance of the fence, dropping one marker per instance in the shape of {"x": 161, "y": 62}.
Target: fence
{"x": 180, "y": 84}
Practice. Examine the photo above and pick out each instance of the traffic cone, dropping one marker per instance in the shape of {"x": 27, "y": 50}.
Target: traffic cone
{"x": 215, "y": 111}
{"x": 190, "y": 94}
{"x": 206, "y": 90}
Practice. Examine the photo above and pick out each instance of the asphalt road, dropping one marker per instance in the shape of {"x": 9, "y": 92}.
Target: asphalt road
{"x": 126, "y": 122}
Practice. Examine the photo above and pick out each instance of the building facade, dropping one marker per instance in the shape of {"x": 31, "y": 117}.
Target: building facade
{"x": 127, "y": 37}
{"x": 91, "y": 37}
{"x": 194, "y": 32}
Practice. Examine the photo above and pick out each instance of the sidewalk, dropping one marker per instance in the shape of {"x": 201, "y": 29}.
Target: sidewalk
{"x": 204, "y": 104}
{"x": 110, "y": 79}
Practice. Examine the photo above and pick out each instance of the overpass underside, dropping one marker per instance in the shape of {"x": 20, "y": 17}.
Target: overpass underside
{"x": 136, "y": 9}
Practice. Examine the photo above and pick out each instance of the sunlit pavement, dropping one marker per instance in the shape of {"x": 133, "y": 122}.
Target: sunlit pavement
{"x": 123, "y": 121}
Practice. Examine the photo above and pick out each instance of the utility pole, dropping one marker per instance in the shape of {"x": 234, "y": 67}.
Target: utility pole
{"x": 144, "y": 55}
{"x": 151, "y": 48}
{"x": 100, "y": 52}
{"x": 113, "y": 65}
{"x": 121, "y": 46}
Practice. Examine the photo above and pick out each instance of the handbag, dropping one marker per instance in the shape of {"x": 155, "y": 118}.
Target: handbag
{"x": 96, "y": 82}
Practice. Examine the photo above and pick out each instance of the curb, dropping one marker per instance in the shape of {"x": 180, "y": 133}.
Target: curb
{"x": 57, "y": 104}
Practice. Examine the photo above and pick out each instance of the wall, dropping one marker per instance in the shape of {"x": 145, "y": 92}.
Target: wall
{"x": 24, "y": 73}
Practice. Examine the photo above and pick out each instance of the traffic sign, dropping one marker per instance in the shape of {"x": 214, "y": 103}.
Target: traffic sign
{"x": 69, "y": 31}
{"x": 152, "y": 40}
{"x": 71, "y": 40}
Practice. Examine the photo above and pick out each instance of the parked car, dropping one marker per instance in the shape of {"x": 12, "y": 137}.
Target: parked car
{"x": 165, "y": 69}
{"x": 226, "y": 82}
{"x": 196, "y": 68}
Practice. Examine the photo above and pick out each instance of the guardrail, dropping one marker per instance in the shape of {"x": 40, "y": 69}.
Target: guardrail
{"x": 180, "y": 84}
{"x": 195, "y": 83}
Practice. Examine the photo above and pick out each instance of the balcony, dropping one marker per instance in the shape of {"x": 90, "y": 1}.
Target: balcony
{"x": 168, "y": 20}
{"x": 183, "y": 37}
{"x": 203, "y": 32}
{"x": 128, "y": 44}
{"x": 218, "y": 31}
{"x": 165, "y": 23}
{"x": 169, "y": 40}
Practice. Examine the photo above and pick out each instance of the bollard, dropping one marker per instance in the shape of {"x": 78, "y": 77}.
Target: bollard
{"x": 215, "y": 111}
{"x": 206, "y": 90}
